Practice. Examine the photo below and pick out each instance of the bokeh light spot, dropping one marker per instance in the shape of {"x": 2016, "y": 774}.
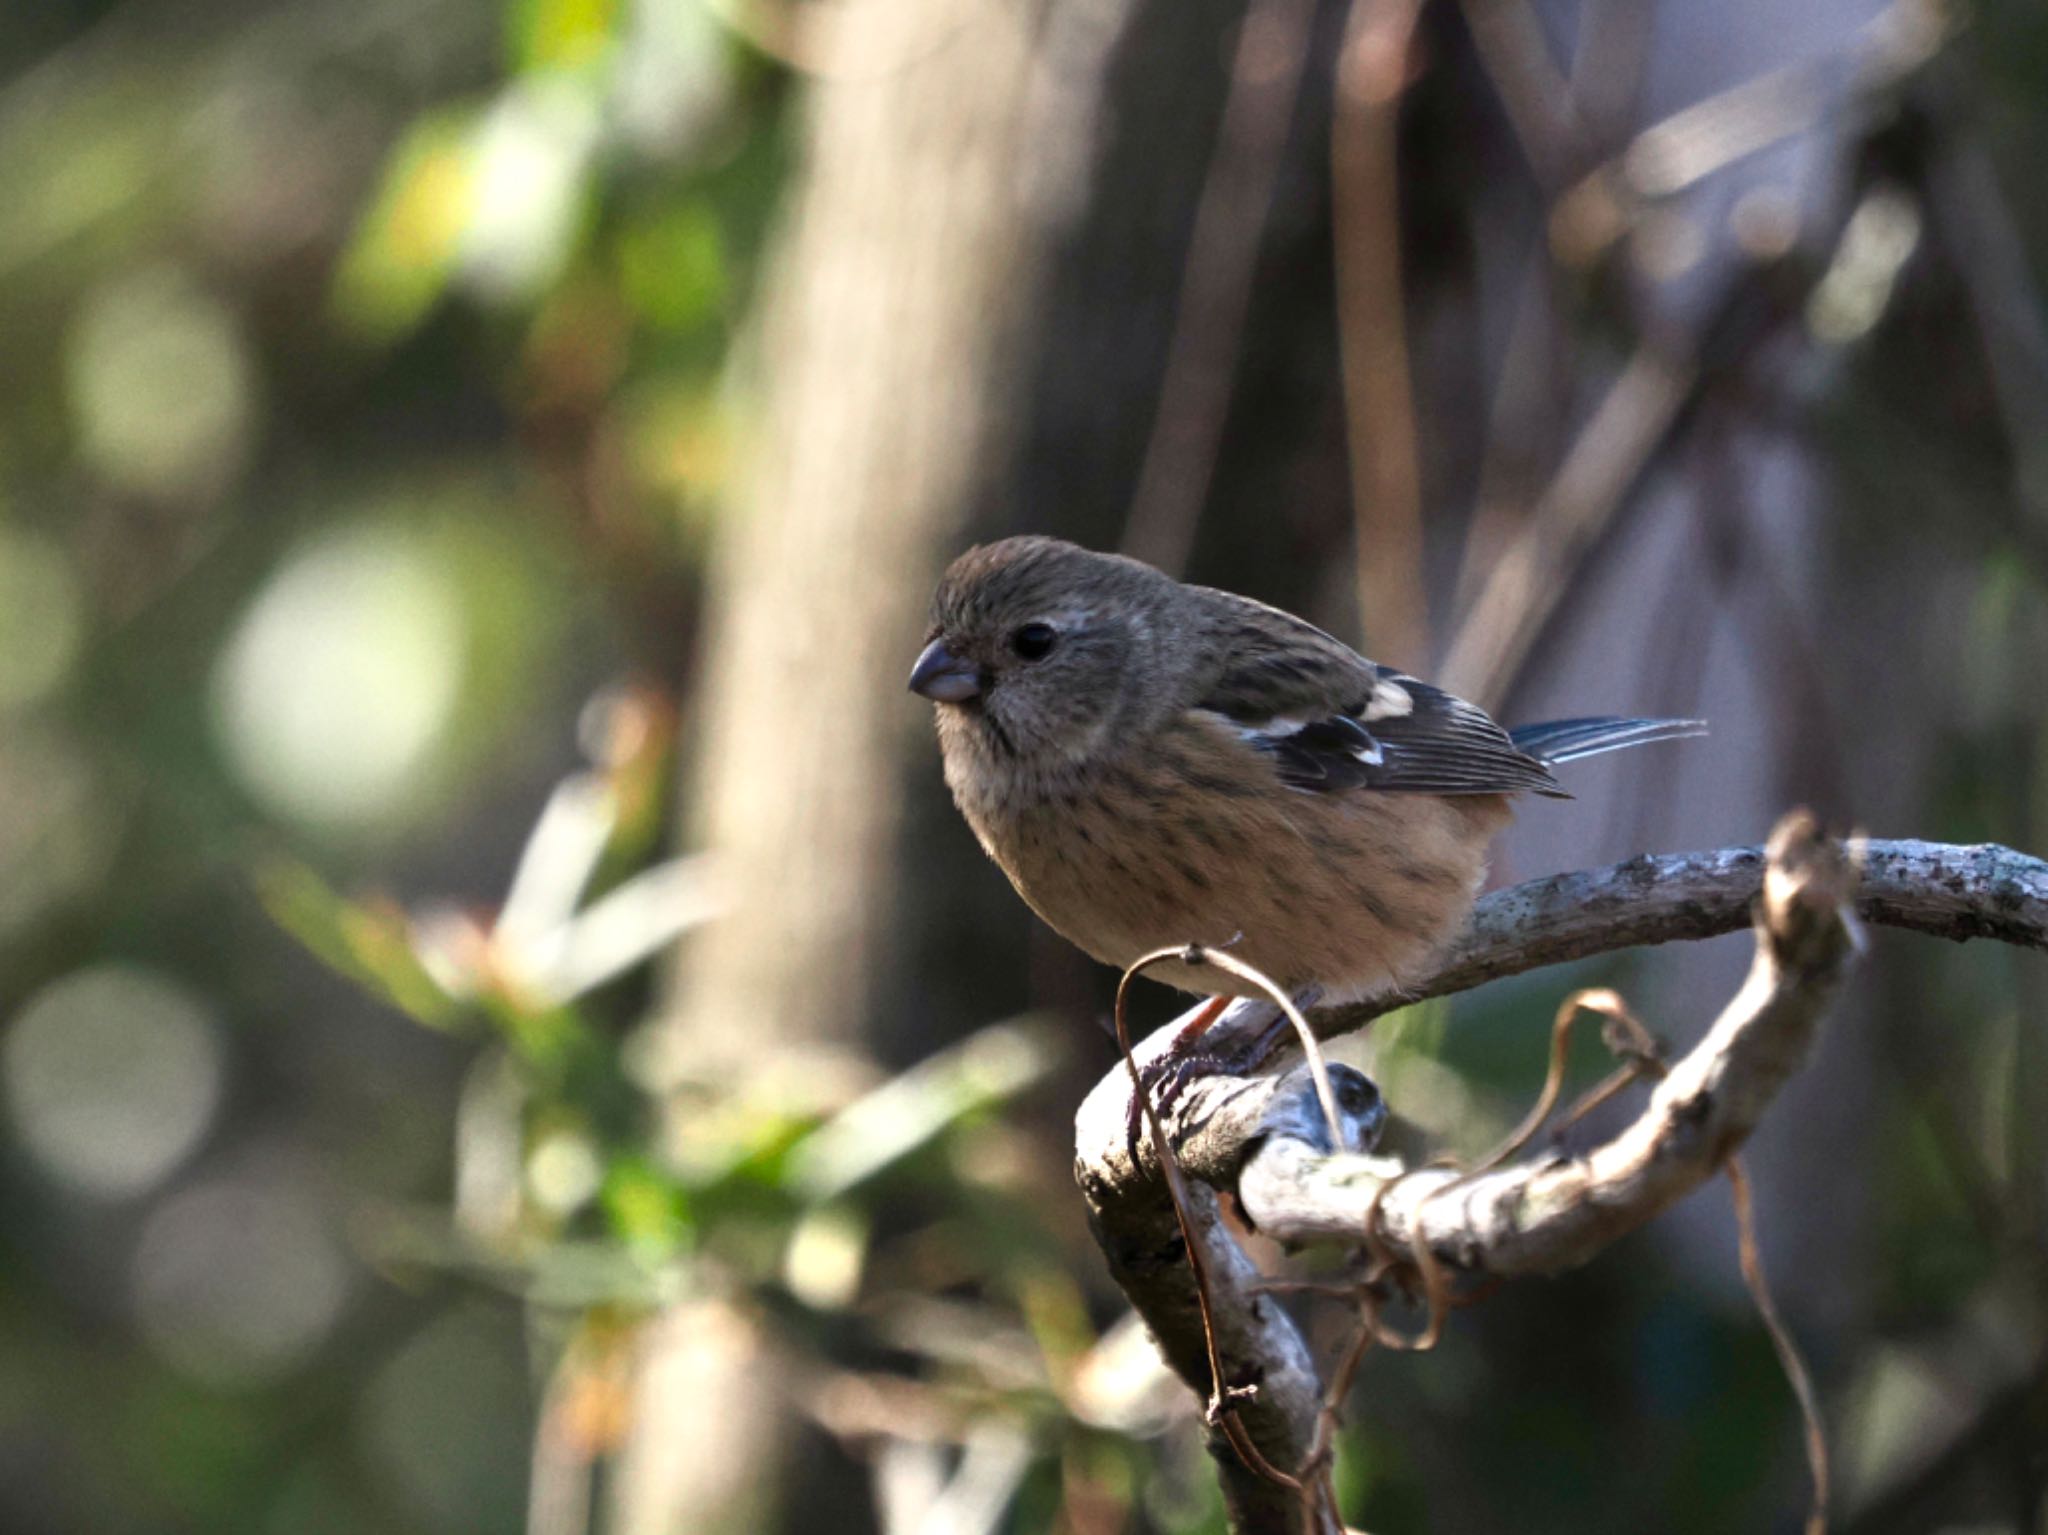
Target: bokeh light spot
{"x": 58, "y": 826}
{"x": 160, "y": 385}
{"x": 340, "y": 681}
{"x": 41, "y": 617}
{"x": 563, "y": 1172}
{"x": 111, "y": 1077}
{"x": 531, "y": 148}
{"x": 236, "y": 1283}
{"x": 445, "y": 1425}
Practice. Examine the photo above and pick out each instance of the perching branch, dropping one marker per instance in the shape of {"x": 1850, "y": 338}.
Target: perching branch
{"x": 1937, "y": 888}
{"x": 1556, "y": 1212}
{"x": 1264, "y": 1139}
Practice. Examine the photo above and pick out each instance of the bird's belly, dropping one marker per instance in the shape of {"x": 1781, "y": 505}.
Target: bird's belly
{"x": 1351, "y": 893}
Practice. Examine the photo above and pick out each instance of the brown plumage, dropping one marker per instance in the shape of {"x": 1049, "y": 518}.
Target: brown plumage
{"x": 1156, "y": 764}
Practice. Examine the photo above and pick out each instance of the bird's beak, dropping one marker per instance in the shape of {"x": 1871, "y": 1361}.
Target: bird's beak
{"x": 943, "y": 677}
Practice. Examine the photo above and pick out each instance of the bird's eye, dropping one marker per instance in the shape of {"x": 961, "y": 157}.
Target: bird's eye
{"x": 1034, "y": 642}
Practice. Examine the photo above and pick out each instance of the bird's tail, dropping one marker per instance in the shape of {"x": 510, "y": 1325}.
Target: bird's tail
{"x": 1557, "y": 741}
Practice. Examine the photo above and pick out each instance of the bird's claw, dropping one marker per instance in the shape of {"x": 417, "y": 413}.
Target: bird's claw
{"x": 1166, "y": 1080}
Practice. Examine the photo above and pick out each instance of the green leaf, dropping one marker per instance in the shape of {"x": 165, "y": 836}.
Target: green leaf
{"x": 403, "y": 252}
{"x": 368, "y": 942}
{"x": 911, "y": 1110}
{"x": 563, "y": 34}
{"x": 673, "y": 268}
{"x": 648, "y": 1212}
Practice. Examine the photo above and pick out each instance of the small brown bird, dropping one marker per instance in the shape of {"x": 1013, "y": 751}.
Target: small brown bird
{"x": 1156, "y": 764}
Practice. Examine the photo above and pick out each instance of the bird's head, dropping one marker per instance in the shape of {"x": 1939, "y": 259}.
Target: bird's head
{"x": 1039, "y": 650}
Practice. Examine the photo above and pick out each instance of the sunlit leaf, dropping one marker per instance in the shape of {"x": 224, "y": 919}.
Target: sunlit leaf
{"x": 405, "y": 248}
{"x": 563, "y": 34}
{"x": 368, "y": 942}
{"x": 648, "y": 1212}
{"x": 909, "y": 1110}
{"x": 673, "y": 268}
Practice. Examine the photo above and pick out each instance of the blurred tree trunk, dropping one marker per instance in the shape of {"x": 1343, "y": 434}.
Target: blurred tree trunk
{"x": 881, "y": 364}
{"x": 878, "y": 354}
{"x": 964, "y": 335}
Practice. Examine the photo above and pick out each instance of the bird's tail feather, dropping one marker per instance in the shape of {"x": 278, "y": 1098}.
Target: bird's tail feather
{"x": 1557, "y": 741}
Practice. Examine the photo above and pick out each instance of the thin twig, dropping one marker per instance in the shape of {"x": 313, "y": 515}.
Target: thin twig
{"x": 1940, "y": 889}
{"x": 1436, "y": 1224}
{"x": 1230, "y": 964}
{"x": 1362, "y": 1339}
{"x": 1789, "y": 1357}
{"x": 1223, "y": 1397}
{"x": 1216, "y": 284}
{"x": 1609, "y": 65}
{"x": 1175, "y": 1186}
{"x": 1372, "y": 327}
{"x": 1524, "y": 430}
{"x": 1435, "y": 1283}
{"x": 1628, "y": 1038}
{"x": 1553, "y": 1077}
{"x": 1508, "y": 37}
{"x": 1640, "y": 1056}
{"x": 1538, "y": 570}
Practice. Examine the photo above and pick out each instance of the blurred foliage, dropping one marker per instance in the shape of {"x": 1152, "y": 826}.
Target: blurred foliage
{"x": 370, "y": 411}
{"x": 365, "y": 412}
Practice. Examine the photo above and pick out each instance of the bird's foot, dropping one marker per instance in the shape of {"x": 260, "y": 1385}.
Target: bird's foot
{"x": 1252, "y": 1038}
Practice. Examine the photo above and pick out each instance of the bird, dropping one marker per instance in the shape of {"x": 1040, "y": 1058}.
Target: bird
{"x": 1157, "y": 764}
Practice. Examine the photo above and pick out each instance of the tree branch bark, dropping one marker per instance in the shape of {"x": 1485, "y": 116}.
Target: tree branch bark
{"x": 1264, "y": 1138}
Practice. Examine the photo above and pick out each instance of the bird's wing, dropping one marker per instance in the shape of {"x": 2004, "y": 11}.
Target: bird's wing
{"x": 1331, "y": 720}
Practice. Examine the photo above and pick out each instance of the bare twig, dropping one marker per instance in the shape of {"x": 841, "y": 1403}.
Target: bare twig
{"x": 1936, "y": 888}
{"x": 1980, "y": 232}
{"x": 1250, "y": 1471}
{"x": 1525, "y": 428}
{"x": 1591, "y": 487}
{"x": 1601, "y": 1001}
{"x": 1681, "y": 150}
{"x": 1789, "y": 1357}
{"x": 1372, "y": 327}
{"x": 1216, "y": 286}
{"x": 1535, "y": 576}
{"x": 1609, "y": 65}
{"x": 1538, "y": 99}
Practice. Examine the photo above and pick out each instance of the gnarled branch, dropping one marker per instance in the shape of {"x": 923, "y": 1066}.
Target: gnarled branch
{"x": 1557, "y": 1211}
{"x": 1264, "y": 1137}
